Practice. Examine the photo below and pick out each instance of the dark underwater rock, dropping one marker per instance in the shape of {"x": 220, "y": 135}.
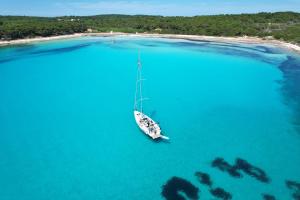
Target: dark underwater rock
{"x": 204, "y": 178}
{"x": 175, "y": 186}
{"x": 251, "y": 170}
{"x": 222, "y": 165}
{"x": 240, "y": 165}
{"x": 295, "y": 186}
{"x": 221, "y": 193}
{"x": 268, "y": 197}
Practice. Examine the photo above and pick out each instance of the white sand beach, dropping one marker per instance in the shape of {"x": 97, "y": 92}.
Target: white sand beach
{"x": 246, "y": 39}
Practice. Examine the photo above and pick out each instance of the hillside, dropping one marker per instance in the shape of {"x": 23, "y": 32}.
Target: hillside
{"x": 280, "y": 25}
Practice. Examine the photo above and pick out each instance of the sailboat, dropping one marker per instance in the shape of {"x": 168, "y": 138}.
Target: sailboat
{"x": 145, "y": 123}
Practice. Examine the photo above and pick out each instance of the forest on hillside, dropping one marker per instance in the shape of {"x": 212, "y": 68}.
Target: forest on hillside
{"x": 279, "y": 25}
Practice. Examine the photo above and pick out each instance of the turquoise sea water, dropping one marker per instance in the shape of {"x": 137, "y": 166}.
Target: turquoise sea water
{"x": 67, "y": 129}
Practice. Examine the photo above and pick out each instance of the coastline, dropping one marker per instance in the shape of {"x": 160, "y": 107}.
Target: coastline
{"x": 246, "y": 39}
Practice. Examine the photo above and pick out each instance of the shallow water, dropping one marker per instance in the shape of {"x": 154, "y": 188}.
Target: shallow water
{"x": 67, "y": 129}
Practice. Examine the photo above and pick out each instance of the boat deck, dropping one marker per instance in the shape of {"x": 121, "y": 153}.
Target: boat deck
{"x": 147, "y": 125}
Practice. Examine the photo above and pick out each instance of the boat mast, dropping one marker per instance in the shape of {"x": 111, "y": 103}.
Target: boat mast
{"x": 140, "y": 80}
{"x": 138, "y": 90}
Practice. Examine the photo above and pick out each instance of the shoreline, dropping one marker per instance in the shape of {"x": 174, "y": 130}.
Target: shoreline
{"x": 246, "y": 39}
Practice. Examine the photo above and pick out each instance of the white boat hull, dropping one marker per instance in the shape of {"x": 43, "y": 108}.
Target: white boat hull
{"x": 148, "y": 126}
